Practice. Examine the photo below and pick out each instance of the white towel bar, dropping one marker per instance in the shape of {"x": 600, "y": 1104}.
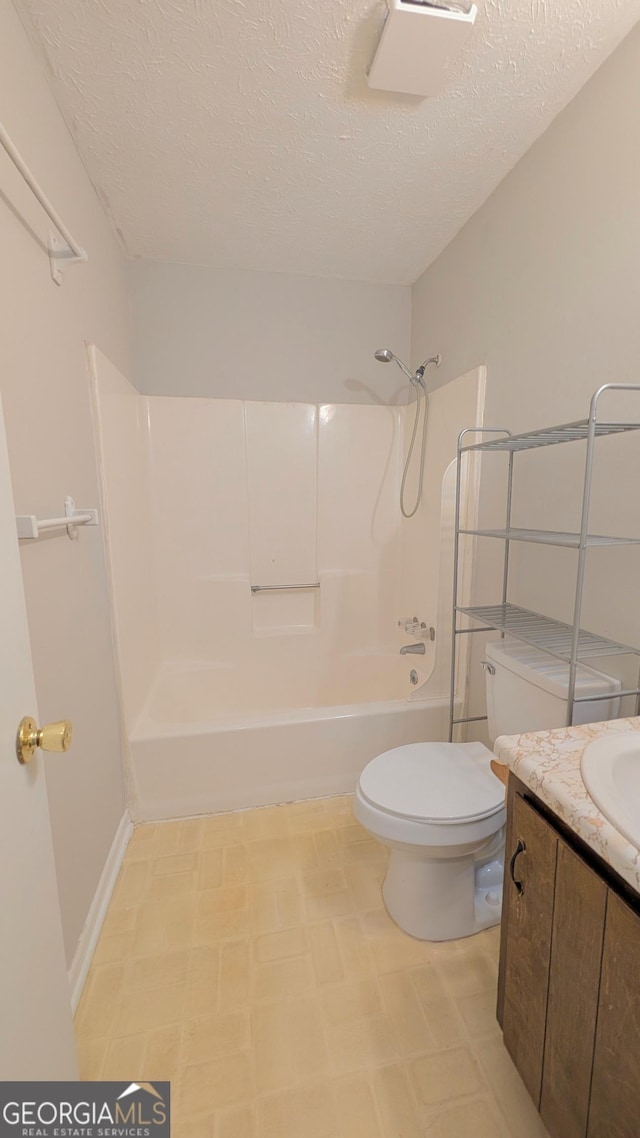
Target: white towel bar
{"x": 58, "y": 254}
{"x": 30, "y": 527}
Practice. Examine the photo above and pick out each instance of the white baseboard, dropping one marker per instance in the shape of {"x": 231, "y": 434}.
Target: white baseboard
{"x": 98, "y": 910}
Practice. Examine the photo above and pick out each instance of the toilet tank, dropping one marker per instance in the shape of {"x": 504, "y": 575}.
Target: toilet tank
{"x": 527, "y": 690}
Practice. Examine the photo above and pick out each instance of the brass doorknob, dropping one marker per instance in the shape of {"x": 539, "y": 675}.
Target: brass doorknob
{"x": 53, "y": 737}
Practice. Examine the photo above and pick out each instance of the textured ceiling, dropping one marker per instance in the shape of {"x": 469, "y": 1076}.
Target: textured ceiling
{"x": 241, "y": 133}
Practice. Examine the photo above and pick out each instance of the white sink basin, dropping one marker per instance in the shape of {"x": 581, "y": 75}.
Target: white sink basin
{"x": 611, "y": 774}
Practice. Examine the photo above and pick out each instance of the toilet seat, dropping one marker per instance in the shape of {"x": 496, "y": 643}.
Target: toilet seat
{"x": 441, "y": 784}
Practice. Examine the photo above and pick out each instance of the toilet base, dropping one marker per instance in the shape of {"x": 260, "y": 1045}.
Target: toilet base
{"x": 443, "y": 898}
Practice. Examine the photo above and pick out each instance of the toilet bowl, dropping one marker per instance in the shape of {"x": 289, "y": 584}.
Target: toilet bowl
{"x": 441, "y": 811}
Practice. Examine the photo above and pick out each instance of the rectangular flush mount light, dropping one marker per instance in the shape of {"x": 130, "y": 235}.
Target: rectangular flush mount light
{"x": 418, "y": 45}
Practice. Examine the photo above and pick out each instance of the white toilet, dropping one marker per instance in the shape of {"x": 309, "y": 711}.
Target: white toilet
{"x": 441, "y": 810}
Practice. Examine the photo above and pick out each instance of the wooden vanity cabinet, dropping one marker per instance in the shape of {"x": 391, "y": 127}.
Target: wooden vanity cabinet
{"x": 569, "y": 987}
{"x": 615, "y": 1091}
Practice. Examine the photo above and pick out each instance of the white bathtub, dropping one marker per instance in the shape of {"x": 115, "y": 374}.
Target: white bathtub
{"x": 224, "y": 736}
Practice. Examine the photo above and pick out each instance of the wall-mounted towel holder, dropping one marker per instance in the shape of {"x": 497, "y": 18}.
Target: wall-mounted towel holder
{"x": 30, "y": 527}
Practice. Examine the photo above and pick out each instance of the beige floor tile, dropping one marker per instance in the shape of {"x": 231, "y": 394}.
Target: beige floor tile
{"x": 174, "y": 863}
{"x": 305, "y": 1112}
{"x": 221, "y": 830}
{"x": 305, "y": 852}
{"x": 272, "y": 1066}
{"x": 353, "y": 832}
{"x": 113, "y": 948}
{"x": 236, "y": 1122}
{"x": 396, "y": 1105}
{"x": 163, "y": 1051}
{"x": 323, "y": 907}
{"x": 412, "y": 1032}
{"x": 100, "y": 1001}
{"x": 209, "y": 928}
{"x": 327, "y": 849}
{"x": 327, "y": 962}
{"x": 91, "y": 1055}
{"x": 392, "y": 949}
{"x": 446, "y": 1075}
{"x": 467, "y": 974}
{"x": 171, "y": 885}
{"x": 125, "y": 1057}
{"x": 320, "y": 882}
{"x": 443, "y": 1021}
{"x": 162, "y": 925}
{"x": 249, "y": 959}
{"x": 365, "y": 886}
{"x": 215, "y": 1084}
{"x": 213, "y": 1036}
{"x": 277, "y": 946}
{"x": 235, "y": 866}
{"x": 509, "y": 1089}
{"x": 159, "y": 971}
{"x": 357, "y": 999}
{"x": 210, "y": 874}
{"x": 283, "y": 979}
{"x": 267, "y": 822}
{"x": 354, "y": 948}
{"x": 476, "y": 1118}
{"x": 306, "y": 1039}
{"x": 235, "y": 975}
{"x": 200, "y": 1126}
{"x": 131, "y": 886}
{"x": 224, "y": 900}
{"x": 119, "y": 920}
{"x": 357, "y": 1116}
{"x": 270, "y": 858}
{"x": 368, "y": 852}
{"x": 146, "y": 1009}
{"x": 360, "y": 1044}
{"x": 178, "y": 837}
{"x": 478, "y": 1013}
{"x": 142, "y": 842}
{"x": 275, "y": 904}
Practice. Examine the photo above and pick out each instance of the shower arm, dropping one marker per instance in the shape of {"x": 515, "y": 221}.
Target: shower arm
{"x": 418, "y": 378}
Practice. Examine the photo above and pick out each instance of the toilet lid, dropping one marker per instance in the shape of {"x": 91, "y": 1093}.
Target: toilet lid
{"x": 434, "y": 782}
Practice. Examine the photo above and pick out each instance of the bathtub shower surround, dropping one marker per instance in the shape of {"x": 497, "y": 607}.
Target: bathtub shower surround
{"x": 237, "y": 688}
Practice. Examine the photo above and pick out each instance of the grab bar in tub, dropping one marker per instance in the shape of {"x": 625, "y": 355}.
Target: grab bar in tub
{"x": 281, "y": 588}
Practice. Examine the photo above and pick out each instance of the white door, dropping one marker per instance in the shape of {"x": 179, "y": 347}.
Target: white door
{"x": 36, "y": 1029}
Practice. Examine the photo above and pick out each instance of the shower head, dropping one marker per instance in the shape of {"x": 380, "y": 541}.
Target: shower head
{"x": 385, "y": 356}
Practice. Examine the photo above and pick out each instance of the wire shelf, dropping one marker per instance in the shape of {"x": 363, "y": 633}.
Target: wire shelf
{"x": 551, "y": 436}
{"x": 550, "y": 537}
{"x": 552, "y": 636}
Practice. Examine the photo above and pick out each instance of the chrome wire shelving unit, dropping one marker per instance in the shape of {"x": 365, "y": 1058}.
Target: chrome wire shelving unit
{"x": 568, "y": 642}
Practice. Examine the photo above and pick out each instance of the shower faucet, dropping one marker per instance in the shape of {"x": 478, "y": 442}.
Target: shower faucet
{"x": 413, "y": 649}
{"x": 417, "y": 628}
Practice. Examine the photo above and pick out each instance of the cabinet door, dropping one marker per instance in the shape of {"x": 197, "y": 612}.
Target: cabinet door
{"x": 574, "y": 978}
{"x": 615, "y": 1090}
{"x": 529, "y": 888}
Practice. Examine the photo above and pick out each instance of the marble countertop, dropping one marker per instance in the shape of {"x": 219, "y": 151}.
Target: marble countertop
{"x": 548, "y": 762}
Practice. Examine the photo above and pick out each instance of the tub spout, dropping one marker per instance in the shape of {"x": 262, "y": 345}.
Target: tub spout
{"x": 413, "y": 649}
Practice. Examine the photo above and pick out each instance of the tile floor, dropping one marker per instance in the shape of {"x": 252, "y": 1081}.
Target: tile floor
{"x": 248, "y": 958}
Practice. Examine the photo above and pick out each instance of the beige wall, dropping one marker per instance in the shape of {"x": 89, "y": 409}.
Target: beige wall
{"x": 45, "y": 392}
{"x": 542, "y": 286}
{"x": 242, "y": 335}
